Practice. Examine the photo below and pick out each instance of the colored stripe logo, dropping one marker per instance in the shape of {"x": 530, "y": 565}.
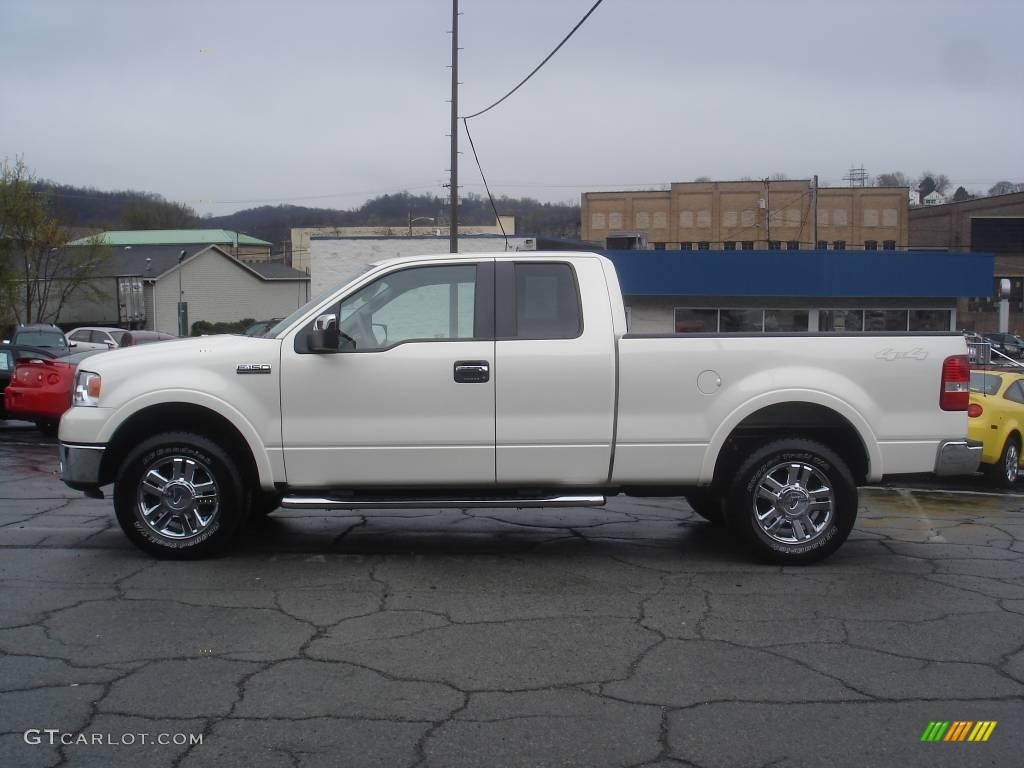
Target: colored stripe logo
{"x": 958, "y": 730}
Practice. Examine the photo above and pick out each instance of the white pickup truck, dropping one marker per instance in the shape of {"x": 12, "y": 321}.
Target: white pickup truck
{"x": 509, "y": 381}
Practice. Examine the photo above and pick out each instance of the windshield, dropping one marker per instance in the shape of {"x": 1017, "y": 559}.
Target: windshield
{"x": 313, "y": 302}
{"x": 117, "y": 336}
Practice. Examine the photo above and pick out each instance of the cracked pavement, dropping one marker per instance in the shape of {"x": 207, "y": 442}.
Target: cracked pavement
{"x": 634, "y": 635}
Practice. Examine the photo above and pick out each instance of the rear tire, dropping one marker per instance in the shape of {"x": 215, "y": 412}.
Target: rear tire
{"x": 179, "y": 496}
{"x": 1004, "y": 474}
{"x": 708, "y": 504}
{"x": 793, "y": 501}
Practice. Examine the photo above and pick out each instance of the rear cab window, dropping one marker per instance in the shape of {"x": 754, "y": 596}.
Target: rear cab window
{"x": 538, "y": 301}
{"x": 985, "y": 383}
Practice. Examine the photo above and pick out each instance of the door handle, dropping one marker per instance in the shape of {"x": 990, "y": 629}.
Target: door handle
{"x": 472, "y": 371}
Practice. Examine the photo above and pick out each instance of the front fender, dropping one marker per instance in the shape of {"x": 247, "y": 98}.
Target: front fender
{"x": 194, "y": 397}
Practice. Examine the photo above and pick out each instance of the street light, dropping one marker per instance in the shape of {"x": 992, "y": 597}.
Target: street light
{"x": 418, "y": 218}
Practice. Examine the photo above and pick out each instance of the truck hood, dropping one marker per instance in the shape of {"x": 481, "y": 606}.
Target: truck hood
{"x": 176, "y": 356}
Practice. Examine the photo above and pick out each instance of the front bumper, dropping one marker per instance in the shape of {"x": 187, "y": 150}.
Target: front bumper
{"x": 958, "y": 457}
{"x": 80, "y": 466}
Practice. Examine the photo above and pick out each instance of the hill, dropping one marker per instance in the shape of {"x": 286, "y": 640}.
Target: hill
{"x": 89, "y": 208}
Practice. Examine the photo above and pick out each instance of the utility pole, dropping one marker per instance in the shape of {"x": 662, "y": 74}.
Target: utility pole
{"x": 453, "y": 179}
{"x": 815, "y": 210}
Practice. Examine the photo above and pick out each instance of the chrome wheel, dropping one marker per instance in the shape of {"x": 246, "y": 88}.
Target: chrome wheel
{"x": 1011, "y": 463}
{"x": 794, "y": 503}
{"x": 178, "y": 497}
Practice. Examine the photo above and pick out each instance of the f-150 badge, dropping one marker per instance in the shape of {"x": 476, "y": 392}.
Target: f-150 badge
{"x": 253, "y": 368}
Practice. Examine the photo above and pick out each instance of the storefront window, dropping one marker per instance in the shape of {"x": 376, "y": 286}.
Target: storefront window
{"x": 885, "y": 320}
{"x": 785, "y": 320}
{"x": 741, "y": 321}
{"x": 696, "y": 321}
{"x": 929, "y": 319}
{"x": 841, "y": 320}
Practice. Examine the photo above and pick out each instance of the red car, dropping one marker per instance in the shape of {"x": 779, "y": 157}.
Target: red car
{"x": 40, "y": 389}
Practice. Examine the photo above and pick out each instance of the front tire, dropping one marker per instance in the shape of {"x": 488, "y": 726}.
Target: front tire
{"x": 179, "y": 496}
{"x": 1004, "y": 474}
{"x": 793, "y": 501}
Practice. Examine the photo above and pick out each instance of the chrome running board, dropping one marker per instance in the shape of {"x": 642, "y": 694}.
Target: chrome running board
{"x": 325, "y": 502}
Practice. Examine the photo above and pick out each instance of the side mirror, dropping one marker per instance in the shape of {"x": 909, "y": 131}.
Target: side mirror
{"x": 72, "y": 344}
{"x": 323, "y": 340}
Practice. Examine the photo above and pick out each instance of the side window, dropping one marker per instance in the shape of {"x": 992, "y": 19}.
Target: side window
{"x": 6, "y": 361}
{"x": 1015, "y": 393}
{"x": 98, "y": 337}
{"x": 421, "y": 303}
{"x": 80, "y": 336}
{"x": 547, "y": 302}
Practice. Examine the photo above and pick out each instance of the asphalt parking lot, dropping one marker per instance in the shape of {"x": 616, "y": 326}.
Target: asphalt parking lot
{"x": 633, "y": 635}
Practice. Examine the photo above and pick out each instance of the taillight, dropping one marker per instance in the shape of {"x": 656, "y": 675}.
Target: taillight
{"x": 954, "y": 391}
{"x": 974, "y": 410}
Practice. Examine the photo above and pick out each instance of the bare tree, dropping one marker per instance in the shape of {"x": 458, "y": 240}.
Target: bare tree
{"x": 779, "y": 177}
{"x": 703, "y": 178}
{"x": 894, "y": 179}
{"x": 932, "y": 182}
{"x": 1005, "y": 188}
{"x": 40, "y": 274}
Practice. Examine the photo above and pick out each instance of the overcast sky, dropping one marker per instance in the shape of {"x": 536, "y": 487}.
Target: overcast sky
{"x": 329, "y": 103}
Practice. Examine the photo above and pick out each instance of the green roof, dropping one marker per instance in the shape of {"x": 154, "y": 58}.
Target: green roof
{"x": 172, "y": 237}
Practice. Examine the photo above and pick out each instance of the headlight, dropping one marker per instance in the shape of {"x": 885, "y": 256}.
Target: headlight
{"x": 87, "y": 389}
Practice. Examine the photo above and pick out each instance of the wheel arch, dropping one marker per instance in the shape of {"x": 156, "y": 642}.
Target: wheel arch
{"x": 236, "y": 435}
{"x": 812, "y": 415}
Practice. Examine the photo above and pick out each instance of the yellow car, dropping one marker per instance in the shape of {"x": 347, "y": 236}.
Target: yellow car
{"x": 996, "y": 419}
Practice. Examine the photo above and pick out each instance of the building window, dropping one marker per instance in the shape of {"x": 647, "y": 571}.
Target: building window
{"x": 686, "y": 246}
{"x": 774, "y": 245}
{"x": 870, "y": 245}
{"x": 703, "y": 245}
{"x": 696, "y": 320}
{"x": 659, "y": 246}
{"x": 792, "y": 245}
{"x": 785, "y": 320}
{"x": 823, "y": 245}
{"x": 885, "y": 320}
{"x": 748, "y": 245}
{"x": 730, "y": 245}
{"x": 841, "y": 320}
{"x": 741, "y": 321}
{"x": 929, "y": 319}
{"x": 889, "y": 245}
{"x": 838, "y": 245}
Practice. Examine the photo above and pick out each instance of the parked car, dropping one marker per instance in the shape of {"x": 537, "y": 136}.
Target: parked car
{"x": 134, "y": 338}
{"x": 9, "y": 355}
{"x": 96, "y": 338}
{"x": 41, "y": 335}
{"x": 996, "y": 420}
{"x": 484, "y": 380}
{"x": 40, "y": 388}
{"x": 1007, "y": 343}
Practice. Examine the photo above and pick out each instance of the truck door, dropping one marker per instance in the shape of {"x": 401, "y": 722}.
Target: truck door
{"x": 409, "y": 398}
{"x": 554, "y": 373}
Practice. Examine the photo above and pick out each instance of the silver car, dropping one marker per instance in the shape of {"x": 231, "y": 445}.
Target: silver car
{"x": 96, "y": 338}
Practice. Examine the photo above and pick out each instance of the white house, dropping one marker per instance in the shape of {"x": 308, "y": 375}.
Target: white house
{"x": 933, "y": 198}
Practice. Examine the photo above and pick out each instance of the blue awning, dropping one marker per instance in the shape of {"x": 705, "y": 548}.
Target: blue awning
{"x": 896, "y": 274}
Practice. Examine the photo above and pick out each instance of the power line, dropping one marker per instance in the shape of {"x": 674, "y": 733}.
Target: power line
{"x": 537, "y": 68}
{"x": 465, "y": 124}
